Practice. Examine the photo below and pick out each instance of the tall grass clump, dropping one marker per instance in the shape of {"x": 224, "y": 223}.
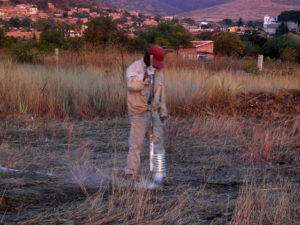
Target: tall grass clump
{"x": 57, "y": 92}
{"x": 204, "y": 92}
{"x": 266, "y": 202}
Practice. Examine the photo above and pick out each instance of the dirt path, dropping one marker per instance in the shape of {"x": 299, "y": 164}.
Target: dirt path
{"x": 208, "y": 163}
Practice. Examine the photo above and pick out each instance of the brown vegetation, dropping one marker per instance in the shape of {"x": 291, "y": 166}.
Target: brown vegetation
{"x": 96, "y": 87}
{"x": 232, "y": 143}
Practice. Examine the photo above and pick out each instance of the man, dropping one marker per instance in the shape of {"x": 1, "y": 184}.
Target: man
{"x": 146, "y": 101}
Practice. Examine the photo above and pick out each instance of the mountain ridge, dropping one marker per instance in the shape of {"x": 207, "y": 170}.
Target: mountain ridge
{"x": 245, "y": 9}
{"x": 191, "y": 7}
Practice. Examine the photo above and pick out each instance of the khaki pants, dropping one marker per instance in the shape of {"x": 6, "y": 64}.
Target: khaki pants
{"x": 139, "y": 126}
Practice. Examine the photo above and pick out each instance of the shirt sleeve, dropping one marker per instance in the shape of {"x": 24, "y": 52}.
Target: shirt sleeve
{"x": 135, "y": 78}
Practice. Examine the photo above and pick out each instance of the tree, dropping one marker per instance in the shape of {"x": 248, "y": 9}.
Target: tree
{"x": 5, "y": 42}
{"x": 121, "y": 20}
{"x": 42, "y": 5}
{"x": 51, "y": 39}
{"x": 250, "y": 24}
{"x": 65, "y": 15}
{"x": 254, "y": 37}
{"x": 43, "y": 25}
{"x": 158, "y": 18}
{"x": 227, "y": 22}
{"x": 26, "y": 22}
{"x": 240, "y": 23}
{"x": 24, "y": 51}
{"x": 292, "y": 15}
{"x": 75, "y": 44}
{"x": 173, "y": 35}
{"x": 175, "y": 20}
{"x": 226, "y": 43}
{"x": 14, "y": 22}
{"x": 251, "y": 49}
{"x": 2, "y": 38}
{"x": 282, "y": 29}
{"x": 277, "y": 47}
{"x": 189, "y": 21}
{"x": 81, "y": 15}
{"x": 101, "y": 30}
{"x": 290, "y": 55}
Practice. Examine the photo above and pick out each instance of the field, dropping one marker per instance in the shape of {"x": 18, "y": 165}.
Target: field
{"x": 232, "y": 143}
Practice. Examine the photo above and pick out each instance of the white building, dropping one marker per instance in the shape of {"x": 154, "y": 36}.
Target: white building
{"x": 33, "y": 11}
{"x": 168, "y": 17}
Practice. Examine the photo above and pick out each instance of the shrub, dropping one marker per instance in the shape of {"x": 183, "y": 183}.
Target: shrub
{"x": 51, "y": 39}
{"x": 290, "y": 54}
{"x": 275, "y": 48}
{"x": 228, "y": 44}
{"x": 75, "y": 44}
{"x": 251, "y": 49}
{"x": 25, "y": 52}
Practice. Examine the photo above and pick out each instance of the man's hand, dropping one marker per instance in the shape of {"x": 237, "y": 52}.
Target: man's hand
{"x": 150, "y": 70}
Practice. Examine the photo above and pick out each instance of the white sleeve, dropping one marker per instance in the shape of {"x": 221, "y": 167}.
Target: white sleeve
{"x": 135, "y": 78}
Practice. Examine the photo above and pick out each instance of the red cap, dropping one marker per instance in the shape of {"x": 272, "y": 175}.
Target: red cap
{"x": 158, "y": 55}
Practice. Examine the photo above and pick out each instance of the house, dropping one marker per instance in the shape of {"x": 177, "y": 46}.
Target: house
{"x": 134, "y": 13}
{"x": 168, "y": 17}
{"x": 130, "y": 35}
{"x": 236, "y": 29}
{"x": 84, "y": 10}
{"x": 33, "y": 11}
{"x": 271, "y": 25}
{"x": 19, "y": 35}
{"x": 51, "y": 7}
{"x": 198, "y": 48}
{"x": 149, "y": 22}
{"x": 43, "y": 15}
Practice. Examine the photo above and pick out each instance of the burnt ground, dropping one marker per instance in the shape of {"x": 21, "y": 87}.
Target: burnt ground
{"x": 209, "y": 161}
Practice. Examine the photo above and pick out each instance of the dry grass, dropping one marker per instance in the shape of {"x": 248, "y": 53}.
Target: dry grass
{"x": 208, "y": 158}
{"x": 272, "y": 142}
{"x": 270, "y": 201}
{"x": 96, "y": 86}
{"x": 216, "y": 142}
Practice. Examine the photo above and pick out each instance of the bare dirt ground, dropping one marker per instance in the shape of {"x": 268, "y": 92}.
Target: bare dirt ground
{"x": 63, "y": 166}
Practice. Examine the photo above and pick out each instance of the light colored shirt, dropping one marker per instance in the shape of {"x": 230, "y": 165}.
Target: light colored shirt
{"x": 138, "y": 91}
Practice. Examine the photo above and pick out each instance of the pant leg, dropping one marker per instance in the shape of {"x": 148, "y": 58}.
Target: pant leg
{"x": 158, "y": 134}
{"x": 159, "y": 150}
{"x": 136, "y": 140}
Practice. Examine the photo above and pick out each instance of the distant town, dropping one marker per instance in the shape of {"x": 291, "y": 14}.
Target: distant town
{"x": 22, "y": 21}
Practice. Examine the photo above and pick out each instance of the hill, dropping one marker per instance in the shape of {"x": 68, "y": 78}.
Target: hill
{"x": 164, "y": 7}
{"x": 147, "y": 6}
{"x": 246, "y": 9}
{"x": 171, "y": 7}
{"x": 287, "y": 2}
{"x": 63, "y": 4}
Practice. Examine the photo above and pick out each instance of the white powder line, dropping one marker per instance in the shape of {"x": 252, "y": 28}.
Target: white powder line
{"x": 17, "y": 171}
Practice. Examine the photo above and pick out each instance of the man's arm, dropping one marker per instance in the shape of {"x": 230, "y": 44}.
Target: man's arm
{"x": 135, "y": 78}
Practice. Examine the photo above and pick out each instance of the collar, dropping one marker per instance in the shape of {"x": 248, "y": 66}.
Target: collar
{"x": 143, "y": 63}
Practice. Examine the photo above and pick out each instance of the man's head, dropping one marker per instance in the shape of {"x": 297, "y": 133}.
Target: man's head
{"x": 158, "y": 54}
